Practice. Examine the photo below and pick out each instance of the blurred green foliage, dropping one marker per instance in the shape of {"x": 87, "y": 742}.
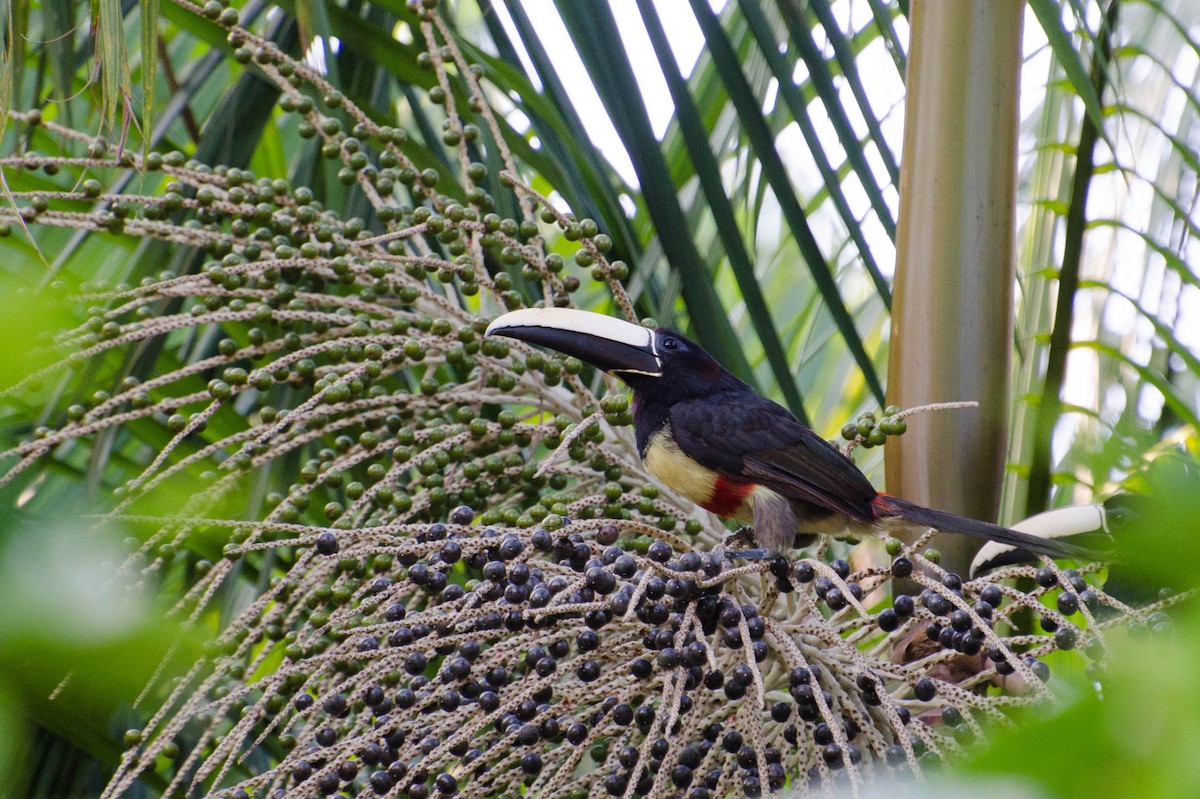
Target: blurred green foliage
{"x": 1137, "y": 733}
{"x": 79, "y": 640}
{"x": 1137, "y": 736}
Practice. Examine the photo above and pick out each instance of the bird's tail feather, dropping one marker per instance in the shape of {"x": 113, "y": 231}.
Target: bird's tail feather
{"x": 886, "y": 505}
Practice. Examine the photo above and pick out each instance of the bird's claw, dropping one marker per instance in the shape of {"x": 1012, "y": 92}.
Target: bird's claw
{"x": 743, "y": 536}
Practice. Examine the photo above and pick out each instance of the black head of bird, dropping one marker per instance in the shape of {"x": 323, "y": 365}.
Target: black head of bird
{"x": 711, "y": 438}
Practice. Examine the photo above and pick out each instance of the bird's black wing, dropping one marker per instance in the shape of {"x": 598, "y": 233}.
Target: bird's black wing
{"x": 748, "y": 437}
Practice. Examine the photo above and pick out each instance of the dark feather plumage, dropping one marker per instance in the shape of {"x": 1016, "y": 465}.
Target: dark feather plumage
{"x": 748, "y": 437}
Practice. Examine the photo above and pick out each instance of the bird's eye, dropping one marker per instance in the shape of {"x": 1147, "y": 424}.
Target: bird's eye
{"x": 670, "y": 344}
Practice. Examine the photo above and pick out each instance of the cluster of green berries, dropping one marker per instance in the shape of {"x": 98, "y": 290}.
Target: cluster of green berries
{"x": 872, "y": 431}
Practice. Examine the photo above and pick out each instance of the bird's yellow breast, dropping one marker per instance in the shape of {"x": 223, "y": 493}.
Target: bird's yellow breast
{"x": 677, "y": 471}
{"x": 706, "y": 487}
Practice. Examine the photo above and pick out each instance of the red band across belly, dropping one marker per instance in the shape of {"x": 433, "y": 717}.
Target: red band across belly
{"x": 727, "y": 496}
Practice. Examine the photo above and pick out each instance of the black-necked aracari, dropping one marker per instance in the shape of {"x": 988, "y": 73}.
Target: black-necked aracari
{"x": 711, "y": 438}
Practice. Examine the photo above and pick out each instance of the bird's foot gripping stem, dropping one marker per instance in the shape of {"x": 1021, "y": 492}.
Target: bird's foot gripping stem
{"x": 750, "y": 554}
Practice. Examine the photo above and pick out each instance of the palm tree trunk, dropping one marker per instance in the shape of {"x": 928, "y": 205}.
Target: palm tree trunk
{"x": 952, "y": 311}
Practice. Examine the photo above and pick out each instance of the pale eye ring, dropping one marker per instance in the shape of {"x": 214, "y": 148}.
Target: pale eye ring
{"x": 670, "y": 344}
